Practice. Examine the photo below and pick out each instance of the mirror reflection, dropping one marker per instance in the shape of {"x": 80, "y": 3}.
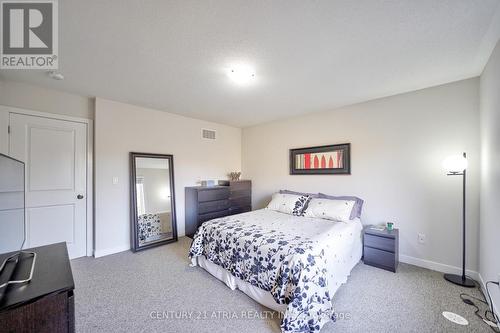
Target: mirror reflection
{"x": 154, "y": 203}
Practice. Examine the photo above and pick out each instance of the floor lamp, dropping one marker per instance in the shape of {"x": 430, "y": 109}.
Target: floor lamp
{"x": 457, "y": 166}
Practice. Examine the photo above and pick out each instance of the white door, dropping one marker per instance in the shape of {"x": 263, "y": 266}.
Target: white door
{"x": 55, "y": 155}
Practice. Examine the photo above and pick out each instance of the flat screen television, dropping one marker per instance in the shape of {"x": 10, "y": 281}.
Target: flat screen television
{"x": 12, "y": 221}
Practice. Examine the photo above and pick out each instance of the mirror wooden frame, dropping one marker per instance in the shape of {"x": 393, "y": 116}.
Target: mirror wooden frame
{"x": 133, "y": 201}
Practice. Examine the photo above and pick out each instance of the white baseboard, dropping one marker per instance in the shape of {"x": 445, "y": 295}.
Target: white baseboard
{"x": 436, "y": 266}
{"x": 105, "y": 252}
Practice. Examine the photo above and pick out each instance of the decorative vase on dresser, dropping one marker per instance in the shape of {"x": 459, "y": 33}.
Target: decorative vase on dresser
{"x": 207, "y": 203}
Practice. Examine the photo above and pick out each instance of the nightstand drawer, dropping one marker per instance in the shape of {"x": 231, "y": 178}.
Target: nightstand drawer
{"x": 381, "y": 243}
{"x": 380, "y": 258}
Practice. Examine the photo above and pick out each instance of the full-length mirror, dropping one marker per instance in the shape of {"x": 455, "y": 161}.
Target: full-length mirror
{"x": 152, "y": 200}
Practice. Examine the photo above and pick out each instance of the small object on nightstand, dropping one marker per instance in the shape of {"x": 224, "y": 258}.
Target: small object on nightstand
{"x": 381, "y": 248}
{"x": 390, "y": 226}
{"x": 376, "y": 227}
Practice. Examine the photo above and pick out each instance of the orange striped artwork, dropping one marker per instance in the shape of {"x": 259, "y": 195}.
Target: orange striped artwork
{"x": 324, "y": 160}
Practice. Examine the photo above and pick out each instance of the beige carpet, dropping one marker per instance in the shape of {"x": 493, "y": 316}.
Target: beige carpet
{"x": 156, "y": 291}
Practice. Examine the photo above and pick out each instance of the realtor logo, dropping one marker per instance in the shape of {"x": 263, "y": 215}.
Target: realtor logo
{"x": 29, "y": 34}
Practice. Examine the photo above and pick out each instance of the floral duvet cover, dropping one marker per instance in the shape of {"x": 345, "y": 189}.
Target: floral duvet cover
{"x": 283, "y": 254}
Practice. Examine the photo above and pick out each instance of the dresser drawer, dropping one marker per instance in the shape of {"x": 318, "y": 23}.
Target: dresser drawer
{"x": 381, "y": 243}
{"x": 213, "y": 206}
{"x": 241, "y": 193}
{"x": 213, "y": 194}
{"x": 209, "y": 216}
{"x": 238, "y": 210}
{"x": 380, "y": 258}
{"x": 241, "y": 202}
{"x": 240, "y": 185}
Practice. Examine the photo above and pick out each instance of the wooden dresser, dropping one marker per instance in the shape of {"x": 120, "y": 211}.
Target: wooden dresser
{"x": 207, "y": 203}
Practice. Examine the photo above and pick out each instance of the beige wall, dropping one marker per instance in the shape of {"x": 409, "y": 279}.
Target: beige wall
{"x": 26, "y": 96}
{"x": 122, "y": 128}
{"x": 489, "y": 245}
{"x": 398, "y": 144}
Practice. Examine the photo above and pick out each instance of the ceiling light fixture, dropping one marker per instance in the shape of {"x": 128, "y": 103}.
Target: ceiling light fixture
{"x": 55, "y": 75}
{"x": 241, "y": 74}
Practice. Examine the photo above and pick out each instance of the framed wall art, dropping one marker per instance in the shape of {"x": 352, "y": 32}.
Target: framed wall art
{"x": 322, "y": 160}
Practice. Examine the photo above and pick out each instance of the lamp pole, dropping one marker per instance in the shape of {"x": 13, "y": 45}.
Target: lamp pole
{"x": 462, "y": 280}
{"x": 463, "y": 222}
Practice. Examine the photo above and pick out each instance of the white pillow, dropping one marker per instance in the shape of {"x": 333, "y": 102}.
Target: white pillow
{"x": 336, "y": 210}
{"x": 289, "y": 203}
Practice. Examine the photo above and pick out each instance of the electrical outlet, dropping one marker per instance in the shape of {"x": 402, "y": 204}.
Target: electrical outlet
{"x": 421, "y": 238}
{"x": 115, "y": 180}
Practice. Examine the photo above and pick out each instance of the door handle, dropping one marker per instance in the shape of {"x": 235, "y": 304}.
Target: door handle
{"x": 79, "y": 196}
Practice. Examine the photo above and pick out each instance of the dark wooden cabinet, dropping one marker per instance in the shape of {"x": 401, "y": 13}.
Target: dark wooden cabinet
{"x": 46, "y": 303}
{"x": 207, "y": 203}
{"x": 381, "y": 248}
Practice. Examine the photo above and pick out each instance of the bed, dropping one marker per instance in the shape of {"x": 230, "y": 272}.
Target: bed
{"x": 292, "y": 264}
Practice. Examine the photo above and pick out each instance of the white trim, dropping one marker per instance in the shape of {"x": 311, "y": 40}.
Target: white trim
{"x": 4, "y": 131}
{"x": 45, "y": 114}
{"x": 436, "y": 266}
{"x": 90, "y": 164}
{"x": 90, "y": 188}
{"x": 114, "y": 250}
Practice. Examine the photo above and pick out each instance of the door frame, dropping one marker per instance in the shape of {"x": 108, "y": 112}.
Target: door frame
{"x": 4, "y": 137}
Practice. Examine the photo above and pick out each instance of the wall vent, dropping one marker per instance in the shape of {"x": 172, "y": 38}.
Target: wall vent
{"x": 208, "y": 134}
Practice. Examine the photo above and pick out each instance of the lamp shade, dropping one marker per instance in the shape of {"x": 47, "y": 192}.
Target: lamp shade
{"x": 455, "y": 164}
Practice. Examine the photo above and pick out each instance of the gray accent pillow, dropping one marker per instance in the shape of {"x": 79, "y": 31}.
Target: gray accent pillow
{"x": 356, "y": 209}
{"x": 312, "y": 195}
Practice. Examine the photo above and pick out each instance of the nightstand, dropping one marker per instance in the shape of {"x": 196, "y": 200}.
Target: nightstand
{"x": 381, "y": 248}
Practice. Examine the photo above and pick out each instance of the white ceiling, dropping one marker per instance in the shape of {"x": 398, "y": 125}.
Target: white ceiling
{"x": 308, "y": 55}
